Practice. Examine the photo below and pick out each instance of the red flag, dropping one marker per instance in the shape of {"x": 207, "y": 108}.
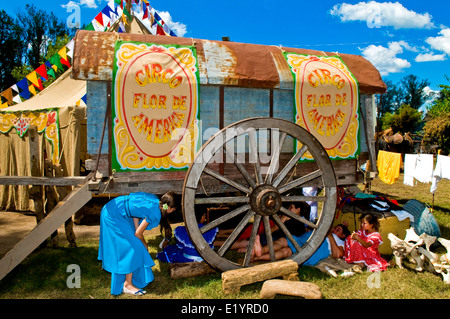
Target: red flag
{"x": 65, "y": 62}
{"x": 42, "y": 71}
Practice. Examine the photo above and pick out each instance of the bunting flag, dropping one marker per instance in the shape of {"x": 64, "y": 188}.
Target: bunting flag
{"x": 8, "y": 95}
{"x": 32, "y": 89}
{"x": 55, "y": 60}
{"x": 32, "y": 77}
{"x": 63, "y": 54}
{"x": 23, "y": 85}
{"x": 50, "y": 70}
{"x": 42, "y": 71}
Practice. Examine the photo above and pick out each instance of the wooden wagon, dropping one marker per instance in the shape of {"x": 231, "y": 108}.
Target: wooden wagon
{"x": 259, "y": 123}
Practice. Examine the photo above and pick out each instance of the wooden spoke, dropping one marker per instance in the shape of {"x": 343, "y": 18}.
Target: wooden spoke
{"x": 292, "y": 162}
{"x": 269, "y": 238}
{"x": 251, "y": 242}
{"x": 226, "y": 180}
{"x": 303, "y": 198}
{"x": 241, "y": 169}
{"x": 286, "y": 232}
{"x": 297, "y": 217}
{"x": 225, "y": 218}
{"x": 231, "y": 239}
{"x": 275, "y": 160}
{"x": 253, "y": 152}
{"x": 300, "y": 181}
{"x": 222, "y": 200}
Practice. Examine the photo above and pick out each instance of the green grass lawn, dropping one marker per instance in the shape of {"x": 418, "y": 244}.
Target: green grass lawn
{"x": 43, "y": 274}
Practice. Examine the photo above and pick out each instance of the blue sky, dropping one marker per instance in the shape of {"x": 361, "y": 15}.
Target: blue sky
{"x": 399, "y": 38}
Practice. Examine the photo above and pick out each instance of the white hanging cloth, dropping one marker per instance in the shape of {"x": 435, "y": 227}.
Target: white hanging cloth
{"x": 419, "y": 167}
{"x": 442, "y": 170}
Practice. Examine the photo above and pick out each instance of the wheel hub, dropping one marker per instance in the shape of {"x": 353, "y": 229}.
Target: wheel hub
{"x": 265, "y": 200}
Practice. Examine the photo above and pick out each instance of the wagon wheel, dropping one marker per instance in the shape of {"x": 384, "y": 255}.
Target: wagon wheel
{"x": 260, "y": 190}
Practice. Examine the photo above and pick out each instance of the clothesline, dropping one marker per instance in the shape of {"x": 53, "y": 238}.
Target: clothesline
{"x": 417, "y": 167}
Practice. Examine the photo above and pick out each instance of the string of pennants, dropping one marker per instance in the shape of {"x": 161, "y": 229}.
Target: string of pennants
{"x": 114, "y": 10}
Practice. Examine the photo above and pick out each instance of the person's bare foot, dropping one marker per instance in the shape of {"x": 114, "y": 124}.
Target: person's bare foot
{"x": 257, "y": 247}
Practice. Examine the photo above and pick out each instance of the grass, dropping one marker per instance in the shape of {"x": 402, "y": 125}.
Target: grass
{"x": 43, "y": 274}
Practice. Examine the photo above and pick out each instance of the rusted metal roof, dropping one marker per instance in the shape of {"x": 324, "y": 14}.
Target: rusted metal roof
{"x": 220, "y": 63}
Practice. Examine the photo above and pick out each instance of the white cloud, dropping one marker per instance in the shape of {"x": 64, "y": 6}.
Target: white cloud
{"x": 386, "y": 14}
{"x": 441, "y": 43}
{"x": 87, "y": 3}
{"x": 426, "y": 57}
{"x": 177, "y": 27}
{"x": 385, "y": 59}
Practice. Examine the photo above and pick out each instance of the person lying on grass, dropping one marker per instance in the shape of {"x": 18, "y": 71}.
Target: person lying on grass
{"x": 294, "y": 226}
{"x": 333, "y": 245}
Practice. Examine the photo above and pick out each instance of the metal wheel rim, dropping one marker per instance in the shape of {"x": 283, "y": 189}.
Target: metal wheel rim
{"x": 326, "y": 173}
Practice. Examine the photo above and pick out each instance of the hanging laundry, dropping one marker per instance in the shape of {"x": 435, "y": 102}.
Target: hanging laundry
{"x": 388, "y": 164}
{"x": 424, "y": 168}
{"x": 409, "y": 168}
{"x": 419, "y": 167}
{"x": 442, "y": 170}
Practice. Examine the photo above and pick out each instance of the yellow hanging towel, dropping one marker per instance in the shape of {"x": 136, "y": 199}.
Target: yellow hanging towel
{"x": 388, "y": 164}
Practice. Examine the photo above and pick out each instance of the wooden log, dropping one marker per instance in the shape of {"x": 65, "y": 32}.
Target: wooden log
{"x": 306, "y": 290}
{"x": 187, "y": 270}
{"x": 233, "y": 280}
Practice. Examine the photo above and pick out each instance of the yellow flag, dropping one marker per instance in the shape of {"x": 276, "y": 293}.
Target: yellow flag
{"x": 32, "y": 77}
{"x": 63, "y": 53}
{"x": 32, "y": 90}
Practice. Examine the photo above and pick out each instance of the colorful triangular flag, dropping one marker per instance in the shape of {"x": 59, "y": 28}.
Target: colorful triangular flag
{"x": 7, "y": 94}
{"x": 42, "y": 71}
{"x": 23, "y": 85}
{"x": 55, "y": 60}
{"x": 32, "y": 77}
{"x": 50, "y": 70}
{"x": 32, "y": 89}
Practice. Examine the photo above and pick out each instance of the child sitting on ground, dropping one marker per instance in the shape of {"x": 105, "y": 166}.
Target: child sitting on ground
{"x": 361, "y": 247}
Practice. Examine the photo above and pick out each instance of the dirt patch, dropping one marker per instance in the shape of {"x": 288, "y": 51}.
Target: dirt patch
{"x": 14, "y": 226}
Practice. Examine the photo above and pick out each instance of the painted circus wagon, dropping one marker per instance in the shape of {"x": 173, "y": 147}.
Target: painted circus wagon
{"x": 237, "y": 129}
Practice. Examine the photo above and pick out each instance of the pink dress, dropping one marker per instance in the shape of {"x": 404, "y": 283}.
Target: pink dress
{"x": 356, "y": 253}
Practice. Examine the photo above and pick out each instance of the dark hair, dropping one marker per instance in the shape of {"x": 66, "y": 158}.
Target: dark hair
{"x": 371, "y": 219}
{"x": 345, "y": 230}
{"x": 305, "y": 209}
{"x": 168, "y": 198}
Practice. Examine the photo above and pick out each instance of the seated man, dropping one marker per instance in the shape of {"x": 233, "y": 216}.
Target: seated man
{"x": 333, "y": 245}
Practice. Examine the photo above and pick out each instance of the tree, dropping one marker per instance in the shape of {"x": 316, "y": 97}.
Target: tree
{"x": 414, "y": 92}
{"x": 390, "y": 99}
{"x": 11, "y": 49}
{"x": 405, "y": 119}
{"x": 437, "y": 126}
{"x": 441, "y": 104}
{"x": 38, "y": 29}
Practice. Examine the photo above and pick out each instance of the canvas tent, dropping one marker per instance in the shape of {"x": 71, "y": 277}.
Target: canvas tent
{"x": 58, "y": 113}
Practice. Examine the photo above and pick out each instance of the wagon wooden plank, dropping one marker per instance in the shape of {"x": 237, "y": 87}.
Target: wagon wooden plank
{"x": 64, "y": 209}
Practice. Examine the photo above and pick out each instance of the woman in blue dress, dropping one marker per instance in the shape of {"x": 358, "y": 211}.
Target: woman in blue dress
{"x": 122, "y": 247}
